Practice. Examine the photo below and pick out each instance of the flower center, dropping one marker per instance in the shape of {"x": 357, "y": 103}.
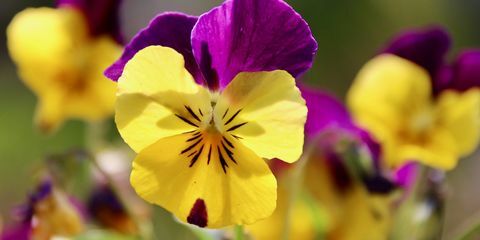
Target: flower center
{"x": 213, "y": 135}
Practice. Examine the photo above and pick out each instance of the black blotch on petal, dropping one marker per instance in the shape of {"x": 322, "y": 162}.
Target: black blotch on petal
{"x": 198, "y": 214}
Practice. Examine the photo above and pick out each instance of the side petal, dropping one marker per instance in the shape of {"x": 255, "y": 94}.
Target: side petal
{"x": 41, "y": 42}
{"x": 426, "y": 47}
{"x": 94, "y": 98}
{"x": 169, "y": 30}
{"x": 466, "y": 71}
{"x": 202, "y": 193}
{"x": 386, "y": 91}
{"x": 274, "y": 112}
{"x": 324, "y": 111}
{"x": 154, "y": 87}
{"x": 460, "y": 115}
{"x": 249, "y": 36}
{"x": 102, "y": 15}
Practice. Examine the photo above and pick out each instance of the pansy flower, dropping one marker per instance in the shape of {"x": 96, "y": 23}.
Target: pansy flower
{"x": 48, "y": 213}
{"x": 203, "y": 101}
{"x": 344, "y": 172}
{"x": 61, "y": 53}
{"x": 418, "y": 107}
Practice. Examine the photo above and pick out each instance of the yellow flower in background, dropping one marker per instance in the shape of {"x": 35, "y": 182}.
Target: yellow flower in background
{"x": 392, "y": 98}
{"x": 300, "y": 215}
{"x": 353, "y": 212}
{"x": 62, "y": 62}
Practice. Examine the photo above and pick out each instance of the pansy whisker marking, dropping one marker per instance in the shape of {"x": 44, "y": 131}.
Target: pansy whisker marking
{"x": 209, "y": 154}
{"x": 236, "y": 126}
{"x": 225, "y": 114}
{"x": 233, "y": 117}
{"x": 186, "y": 120}
{"x": 192, "y": 113}
{"x": 194, "y": 137}
{"x": 195, "y": 158}
{"x": 191, "y": 146}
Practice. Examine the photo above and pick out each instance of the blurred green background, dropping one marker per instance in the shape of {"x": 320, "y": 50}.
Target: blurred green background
{"x": 348, "y": 33}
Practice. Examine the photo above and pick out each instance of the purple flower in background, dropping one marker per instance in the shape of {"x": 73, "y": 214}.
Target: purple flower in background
{"x": 107, "y": 210}
{"x": 428, "y": 48}
{"x": 47, "y": 213}
{"x": 329, "y": 123}
{"x": 102, "y": 16}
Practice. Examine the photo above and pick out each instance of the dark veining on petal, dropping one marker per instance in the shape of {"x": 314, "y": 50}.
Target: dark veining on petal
{"x": 190, "y": 132}
{"x": 191, "y": 154}
{"x": 186, "y": 120}
{"x": 195, "y": 158}
{"x": 233, "y": 117}
{"x": 192, "y": 113}
{"x": 191, "y": 146}
{"x": 229, "y": 153}
{"x": 236, "y": 126}
{"x": 209, "y": 74}
{"x": 198, "y": 214}
{"x": 200, "y": 111}
{"x": 209, "y": 154}
{"x": 222, "y": 160}
{"x": 225, "y": 114}
{"x": 228, "y": 142}
{"x": 237, "y": 137}
{"x": 194, "y": 137}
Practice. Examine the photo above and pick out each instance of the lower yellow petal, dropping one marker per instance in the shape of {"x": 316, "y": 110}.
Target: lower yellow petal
{"x": 50, "y": 113}
{"x": 459, "y": 113}
{"x": 205, "y": 193}
{"x": 272, "y": 107}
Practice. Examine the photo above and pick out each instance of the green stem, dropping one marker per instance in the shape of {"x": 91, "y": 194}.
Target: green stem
{"x": 239, "y": 232}
{"x": 296, "y": 185}
{"x": 94, "y": 142}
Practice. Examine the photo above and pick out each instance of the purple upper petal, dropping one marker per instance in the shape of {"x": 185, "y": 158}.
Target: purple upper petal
{"x": 102, "y": 15}
{"x": 426, "y": 48}
{"x": 325, "y": 112}
{"x": 169, "y": 30}
{"x": 251, "y": 35}
{"x": 464, "y": 72}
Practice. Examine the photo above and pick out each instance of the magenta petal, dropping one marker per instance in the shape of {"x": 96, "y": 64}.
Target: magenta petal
{"x": 251, "y": 35}
{"x": 18, "y": 232}
{"x": 406, "y": 175}
{"x": 465, "y": 71}
{"x": 426, "y": 48}
{"x": 102, "y": 15}
{"x": 168, "y": 30}
{"x": 324, "y": 111}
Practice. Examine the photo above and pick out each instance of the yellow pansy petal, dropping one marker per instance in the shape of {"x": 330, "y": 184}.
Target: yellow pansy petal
{"x": 93, "y": 98}
{"x": 459, "y": 113}
{"x": 300, "y": 218}
{"x": 386, "y": 90}
{"x": 438, "y": 150}
{"x": 273, "y": 109}
{"x": 41, "y": 39}
{"x": 153, "y": 88}
{"x": 50, "y": 114}
{"x": 198, "y": 190}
